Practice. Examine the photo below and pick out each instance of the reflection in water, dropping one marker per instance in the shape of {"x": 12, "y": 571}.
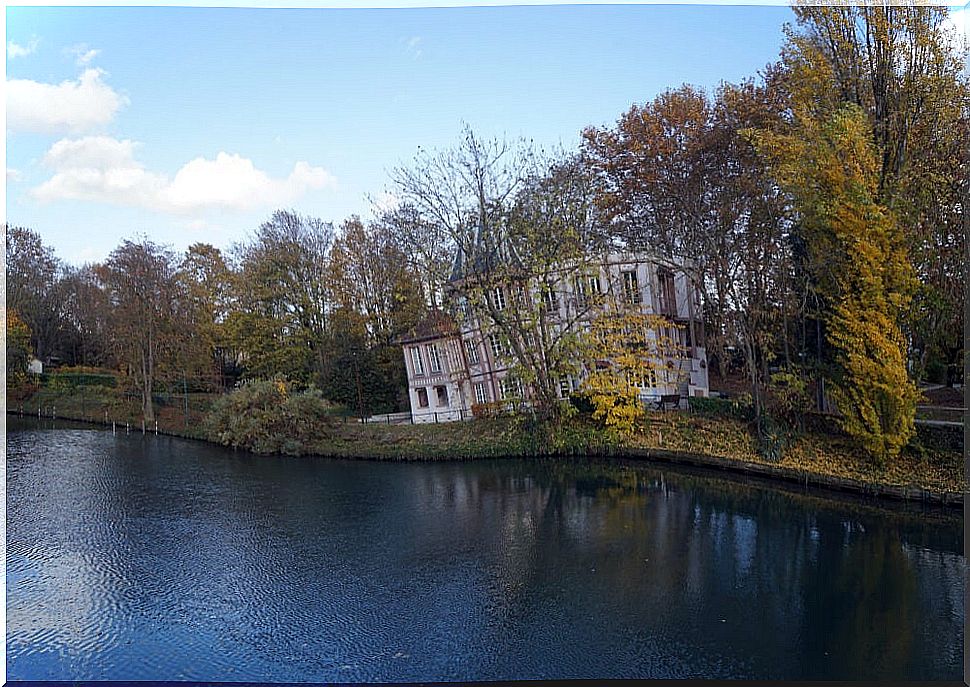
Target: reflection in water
{"x": 132, "y": 557}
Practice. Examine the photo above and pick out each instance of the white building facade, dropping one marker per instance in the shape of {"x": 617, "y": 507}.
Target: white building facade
{"x": 453, "y": 368}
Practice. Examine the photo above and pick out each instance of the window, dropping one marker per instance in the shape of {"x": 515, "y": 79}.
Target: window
{"x": 586, "y": 286}
{"x": 511, "y": 388}
{"x": 498, "y": 298}
{"x": 422, "y": 398}
{"x": 471, "y": 348}
{"x": 454, "y": 355}
{"x": 666, "y": 298}
{"x": 481, "y": 393}
{"x": 442, "y": 393}
{"x": 417, "y": 363}
{"x": 631, "y": 287}
{"x": 635, "y": 378}
{"x": 550, "y": 301}
{"x": 499, "y": 350}
{"x": 564, "y": 387}
{"x": 433, "y": 360}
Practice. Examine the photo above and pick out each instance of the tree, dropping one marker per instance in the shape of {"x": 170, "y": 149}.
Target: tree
{"x": 87, "y": 316}
{"x": 147, "y": 303}
{"x": 379, "y": 298}
{"x": 18, "y": 348}
{"x": 279, "y": 321}
{"x": 678, "y": 177}
{"x": 625, "y": 350}
{"x": 426, "y": 245}
{"x": 858, "y": 259}
{"x": 905, "y": 69}
{"x": 208, "y": 282}
{"x": 32, "y": 277}
{"x": 520, "y": 226}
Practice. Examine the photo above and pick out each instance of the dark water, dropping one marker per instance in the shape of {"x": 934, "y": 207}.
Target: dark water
{"x": 133, "y": 557}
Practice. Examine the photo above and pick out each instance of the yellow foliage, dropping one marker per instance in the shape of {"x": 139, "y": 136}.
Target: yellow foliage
{"x": 859, "y": 261}
{"x": 625, "y": 350}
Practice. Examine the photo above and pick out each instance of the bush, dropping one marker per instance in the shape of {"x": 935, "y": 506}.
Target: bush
{"x": 66, "y": 381}
{"x": 493, "y": 409}
{"x": 736, "y": 409}
{"x": 266, "y": 416}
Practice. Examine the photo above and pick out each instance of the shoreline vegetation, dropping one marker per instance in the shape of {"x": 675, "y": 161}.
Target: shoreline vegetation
{"x": 930, "y": 471}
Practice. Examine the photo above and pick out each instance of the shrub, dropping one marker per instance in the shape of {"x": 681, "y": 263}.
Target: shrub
{"x": 66, "y": 381}
{"x": 737, "y": 409}
{"x": 493, "y": 409}
{"x": 265, "y": 416}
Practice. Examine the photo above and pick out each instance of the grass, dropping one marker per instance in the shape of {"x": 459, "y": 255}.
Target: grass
{"x": 815, "y": 452}
{"x": 928, "y": 467}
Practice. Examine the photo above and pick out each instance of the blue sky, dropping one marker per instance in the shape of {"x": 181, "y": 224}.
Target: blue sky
{"x": 194, "y": 124}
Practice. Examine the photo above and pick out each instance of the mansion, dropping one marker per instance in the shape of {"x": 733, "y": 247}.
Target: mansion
{"x": 454, "y": 364}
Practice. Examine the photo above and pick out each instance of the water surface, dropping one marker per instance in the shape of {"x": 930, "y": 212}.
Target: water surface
{"x": 145, "y": 558}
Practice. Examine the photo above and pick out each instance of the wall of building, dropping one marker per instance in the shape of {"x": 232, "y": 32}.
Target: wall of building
{"x": 460, "y": 374}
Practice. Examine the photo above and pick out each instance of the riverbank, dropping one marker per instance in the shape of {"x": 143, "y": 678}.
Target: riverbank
{"x": 933, "y": 473}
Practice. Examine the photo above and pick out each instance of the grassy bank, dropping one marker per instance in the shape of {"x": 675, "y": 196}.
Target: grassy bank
{"x": 815, "y": 457}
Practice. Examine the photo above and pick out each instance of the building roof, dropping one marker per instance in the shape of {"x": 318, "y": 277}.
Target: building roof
{"x": 435, "y": 325}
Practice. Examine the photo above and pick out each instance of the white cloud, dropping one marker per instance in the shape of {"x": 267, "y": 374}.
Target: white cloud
{"x": 72, "y": 106}
{"x": 14, "y": 50}
{"x": 104, "y": 169}
{"x": 82, "y": 54}
{"x": 98, "y": 168}
{"x": 14, "y": 174}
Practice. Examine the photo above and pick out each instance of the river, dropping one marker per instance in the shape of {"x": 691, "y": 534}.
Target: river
{"x": 134, "y": 557}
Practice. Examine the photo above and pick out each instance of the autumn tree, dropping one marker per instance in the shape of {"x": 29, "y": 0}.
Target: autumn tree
{"x": 208, "y": 281}
{"x": 858, "y": 257}
{"x": 32, "y": 277}
{"x": 147, "y": 301}
{"x": 17, "y": 335}
{"x": 427, "y": 246}
{"x": 87, "y": 316}
{"x": 378, "y": 297}
{"x": 677, "y": 177}
{"x": 625, "y": 350}
{"x": 279, "y": 321}
{"x": 904, "y": 67}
